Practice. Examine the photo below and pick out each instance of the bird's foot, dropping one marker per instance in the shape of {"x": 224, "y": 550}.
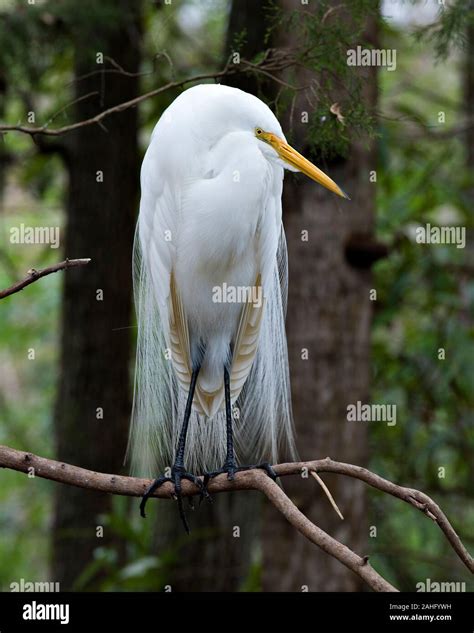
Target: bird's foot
{"x": 178, "y": 473}
{"x": 230, "y": 467}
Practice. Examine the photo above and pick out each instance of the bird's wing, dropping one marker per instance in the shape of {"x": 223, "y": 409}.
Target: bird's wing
{"x": 268, "y": 254}
{"x": 246, "y": 341}
{"x": 160, "y": 257}
{"x": 156, "y": 231}
{"x": 265, "y": 425}
{"x": 179, "y": 336}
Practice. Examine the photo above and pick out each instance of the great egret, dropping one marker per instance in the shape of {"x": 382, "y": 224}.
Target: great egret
{"x": 210, "y": 284}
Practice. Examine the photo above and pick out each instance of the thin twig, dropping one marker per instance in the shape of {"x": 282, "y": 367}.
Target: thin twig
{"x": 331, "y": 10}
{"x": 68, "y": 105}
{"x": 119, "y": 70}
{"x": 328, "y": 494}
{"x": 34, "y": 275}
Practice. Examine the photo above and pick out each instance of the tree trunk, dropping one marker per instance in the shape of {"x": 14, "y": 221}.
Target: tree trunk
{"x": 329, "y": 316}
{"x": 95, "y": 350}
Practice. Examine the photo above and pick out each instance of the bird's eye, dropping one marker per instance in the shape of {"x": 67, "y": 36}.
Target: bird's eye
{"x": 258, "y": 131}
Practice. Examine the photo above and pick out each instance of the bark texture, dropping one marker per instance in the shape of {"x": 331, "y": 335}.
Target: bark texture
{"x": 328, "y": 326}
{"x": 95, "y": 344}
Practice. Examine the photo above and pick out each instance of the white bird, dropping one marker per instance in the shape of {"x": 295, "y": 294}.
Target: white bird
{"x": 210, "y": 287}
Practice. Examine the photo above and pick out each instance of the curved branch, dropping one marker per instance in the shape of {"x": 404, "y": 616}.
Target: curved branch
{"x": 34, "y": 275}
{"x": 251, "y": 480}
{"x": 358, "y": 564}
{"x": 416, "y": 498}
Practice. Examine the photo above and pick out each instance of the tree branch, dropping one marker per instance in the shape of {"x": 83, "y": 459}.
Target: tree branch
{"x": 417, "y": 499}
{"x": 34, "y": 275}
{"x": 252, "y": 480}
{"x": 278, "y": 60}
{"x": 43, "y": 129}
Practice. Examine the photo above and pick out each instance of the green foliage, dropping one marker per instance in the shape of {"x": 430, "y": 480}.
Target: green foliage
{"x": 323, "y": 38}
{"x": 424, "y": 298}
{"x": 137, "y": 569}
{"x": 29, "y": 320}
{"x": 143, "y": 566}
{"x": 449, "y": 29}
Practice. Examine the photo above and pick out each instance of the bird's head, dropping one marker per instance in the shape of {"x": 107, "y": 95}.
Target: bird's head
{"x": 293, "y": 160}
{"x": 214, "y": 111}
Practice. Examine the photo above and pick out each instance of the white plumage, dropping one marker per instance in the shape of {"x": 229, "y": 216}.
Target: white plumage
{"x": 210, "y": 218}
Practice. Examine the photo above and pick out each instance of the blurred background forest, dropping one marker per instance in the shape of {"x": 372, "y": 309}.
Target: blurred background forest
{"x": 400, "y": 142}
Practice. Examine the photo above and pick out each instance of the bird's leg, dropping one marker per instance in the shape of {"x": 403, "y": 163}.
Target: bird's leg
{"x": 230, "y": 465}
{"x": 178, "y": 472}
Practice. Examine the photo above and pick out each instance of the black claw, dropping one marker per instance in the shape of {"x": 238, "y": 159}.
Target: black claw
{"x": 182, "y": 513}
{"x": 230, "y": 468}
{"x": 177, "y": 475}
{"x": 204, "y": 492}
{"x": 268, "y": 468}
{"x": 150, "y": 490}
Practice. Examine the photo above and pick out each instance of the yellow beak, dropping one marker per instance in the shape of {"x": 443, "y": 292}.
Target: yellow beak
{"x": 302, "y": 164}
